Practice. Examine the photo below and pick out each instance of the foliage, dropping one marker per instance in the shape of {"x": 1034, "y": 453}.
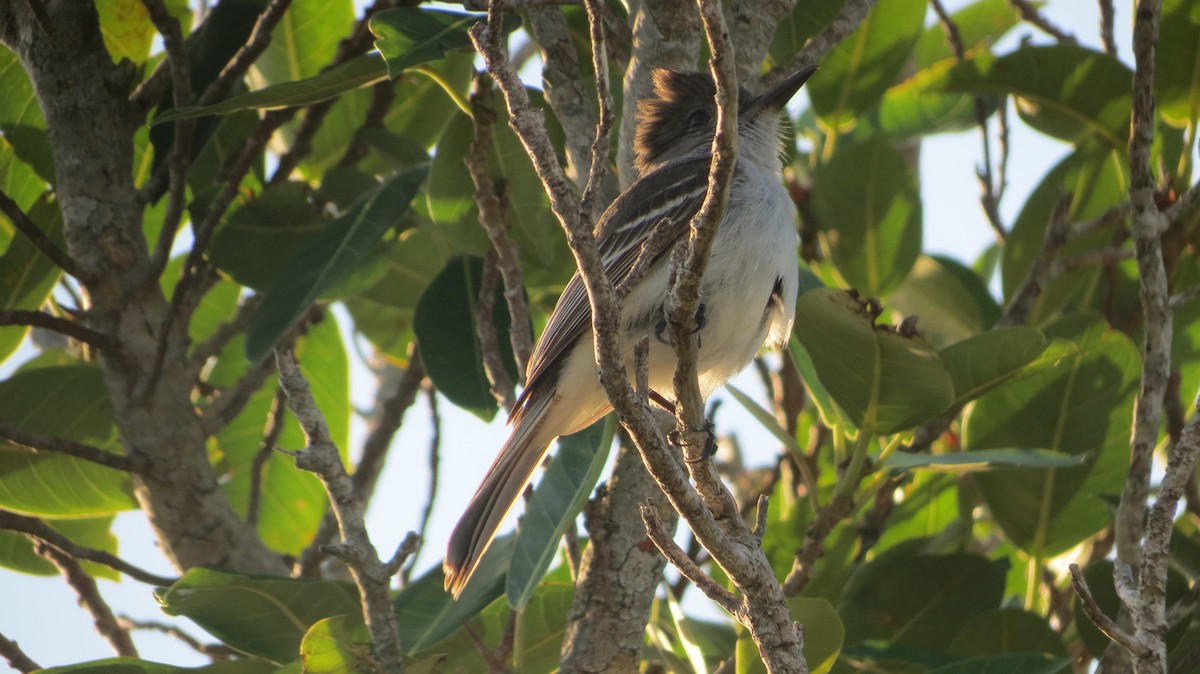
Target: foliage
{"x": 979, "y": 450}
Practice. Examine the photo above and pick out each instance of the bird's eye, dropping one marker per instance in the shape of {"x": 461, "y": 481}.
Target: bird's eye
{"x": 697, "y": 119}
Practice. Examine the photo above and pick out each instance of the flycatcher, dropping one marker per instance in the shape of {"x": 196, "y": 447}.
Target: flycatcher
{"x": 748, "y": 292}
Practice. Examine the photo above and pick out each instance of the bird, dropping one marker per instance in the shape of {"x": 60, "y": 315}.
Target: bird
{"x": 747, "y": 294}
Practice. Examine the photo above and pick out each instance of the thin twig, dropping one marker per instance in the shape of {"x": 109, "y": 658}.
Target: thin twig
{"x": 988, "y": 196}
{"x": 491, "y": 216}
{"x": 49, "y": 443}
{"x": 181, "y": 147}
{"x": 89, "y": 598}
{"x": 42, "y": 532}
{"x": 1029, "y": 12}
{"x": 321, "y": 458}
{"x": 598, "y": 173}
{"x": 39, "y": 239}
{"x": 40, "y": 319}
{"x": 382, "y": 95}
{"x": 1058, "y": 234}
{"x": 1105, "y": 624}
{"x": 260, "y": 37}
{"x": 666, "y": 545}
{"x": 16, "y": 657}
{"x": 814, "y": 543}
{"x": 435, "y": 462}
{"x": 221, "y": 336}
{"x": 217, "y": 652}
{"x": 230, "y": 403}
{"x": 1106, "y": 27}
{"x": 275, "y": 419}
{"x": 501, "y": 383}
{"x": 1187, "y": 296}
{"x": 817, "y": 47}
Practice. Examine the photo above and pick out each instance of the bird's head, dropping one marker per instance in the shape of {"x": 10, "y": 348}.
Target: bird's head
{"x": 679, "y": 119}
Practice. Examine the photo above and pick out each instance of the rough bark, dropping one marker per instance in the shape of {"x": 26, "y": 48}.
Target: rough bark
{"x": 84, "y": 97}
{"x": 619, "y": 573}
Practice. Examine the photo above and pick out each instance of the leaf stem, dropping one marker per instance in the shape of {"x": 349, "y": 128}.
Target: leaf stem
{"x": 849, "y": 480}
{"x": 442, "y": 82}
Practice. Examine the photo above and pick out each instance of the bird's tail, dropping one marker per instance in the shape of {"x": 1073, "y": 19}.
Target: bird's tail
{"x": 499, "y": 492}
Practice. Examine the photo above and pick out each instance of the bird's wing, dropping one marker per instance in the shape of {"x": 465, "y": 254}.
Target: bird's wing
{"x": 668, "y": 197}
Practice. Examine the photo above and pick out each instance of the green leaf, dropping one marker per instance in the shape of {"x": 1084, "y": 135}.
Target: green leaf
{"x": 1095, "y": 179}
{"x": 1177, "y": 95}
{"x": 875, "y": 238}
{"x": 327, "y": 258}
{"x": 427, "y": 614}
{"x": 293, "y": 501}
{"x": 806, "y": 20}
{"x": 444, "y": 323}
{"x": 407, "y": 36}
{"x": 20, "y": 182}
{"x": 304, "y": 41}
{"x": 914, "y": 108}
{"x": 919, "y": 600}
{"x": 259, "y": 615}
{"x": 17, "y": 553}
{"x": 831, "y": 416}
{"x": 1008, "y": 663}
{"x": 541, "y": 627}
{"x": 952, "y": 303}
{"x": 259, "y": 237}
{"x": 358, "y": 72}
{"x": 136, "y": 666}
{"x": 980, "y": 24}
{"x": 984, "y": 459}
{"x": 1081, "y": 406}
{"x": 332, "y": 646}
{"x": 985, "y": 361}
{"x": 1063, "y": 90}
{"x": 26, "y": 275}
{"x": 56, "y": 485}
{"x": 883, "y": 381}
{"x": 765, "y": 419}
{"x": 559, "y": 497}
{"x": 384, "y": 312}
{"x": 823, "y": 637}
{"x": 126, "y": 29}
{"x": 1007, "y": 630}
{"x": 867, "y": 62}
{"x": 451, "y": 196}
{"x": 21, "y": 119}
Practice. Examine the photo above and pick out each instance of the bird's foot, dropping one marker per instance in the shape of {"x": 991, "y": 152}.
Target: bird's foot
{"x": 701, "y": 319}
{"x": 685, "y": 440}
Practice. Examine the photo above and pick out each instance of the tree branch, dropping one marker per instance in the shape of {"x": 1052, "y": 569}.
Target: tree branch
{"x": 270, "y": 441}
{"x": 39, "y": 319}
{"x": 491, "y": 217}
{"x": 1029, "y": 12}
{"x": 49, "y": 443}
{"x": 39, "y": 239}
{"x": 321, "y": 458}
{"x": 16, "y": 657}
{"x": 666, "y": 545}
{"x": 90, "y": 599}
{"x": 817, "y": 47}
{"x": 42, "y": 532}
{"x": 181, "y": 148}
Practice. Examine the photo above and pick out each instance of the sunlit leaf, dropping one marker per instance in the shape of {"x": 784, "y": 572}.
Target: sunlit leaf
{"x": 1177, "y": 62}
{"x": 984, "y": 459}
{"x": 331, "y": 647}
{"x": 262, "y": 616}
{"x": 857, "y": 72}
{"x": 51, "y": 484}
{"x": 951, "y": 302}
{"x": 304, "y": 41}
{"x": 26, "y": 275}
{"x": 1062, "y": 90}
{"x": 355, "y": 73}
{"x": 21, "y": 118}
{"x": 407, "y": 36}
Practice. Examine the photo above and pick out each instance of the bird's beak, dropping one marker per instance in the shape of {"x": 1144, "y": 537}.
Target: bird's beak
{"x": 773, "y": 99}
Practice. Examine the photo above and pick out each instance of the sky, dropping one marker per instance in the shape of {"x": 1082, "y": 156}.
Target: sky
{"x": 41, "y": 613}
